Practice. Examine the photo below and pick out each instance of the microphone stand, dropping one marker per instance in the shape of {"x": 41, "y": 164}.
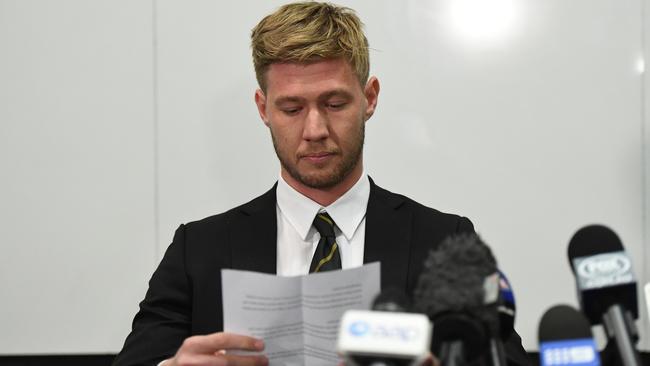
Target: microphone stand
{"x": 452, "y": 354}
{"x": 620, "y": 326}
{"x": 497, "y": 354}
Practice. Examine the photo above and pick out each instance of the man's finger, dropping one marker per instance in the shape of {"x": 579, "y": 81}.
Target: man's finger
{"x": 199, "y": 359}
{"x": 221, "y": 360}
{"x": 251, "y": 360}
{"x": 235, "y": 341}
{"x": 211, "y": 343}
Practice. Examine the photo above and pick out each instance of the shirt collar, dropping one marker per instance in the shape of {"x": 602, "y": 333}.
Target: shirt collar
{"x": 347, "y": 211}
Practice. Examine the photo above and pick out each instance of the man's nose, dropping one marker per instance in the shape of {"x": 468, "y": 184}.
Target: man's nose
{"x": 316, "y": 125}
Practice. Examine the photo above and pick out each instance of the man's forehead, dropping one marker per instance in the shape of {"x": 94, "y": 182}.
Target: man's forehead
{"x": 311, "y": 67}
{"x": 329, "y": 75}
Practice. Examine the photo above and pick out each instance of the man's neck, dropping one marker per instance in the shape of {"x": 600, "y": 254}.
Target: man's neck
{"x": 325, "y": 196}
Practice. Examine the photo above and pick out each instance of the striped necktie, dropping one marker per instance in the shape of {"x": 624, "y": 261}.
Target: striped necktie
{"x": 327, "y": 256}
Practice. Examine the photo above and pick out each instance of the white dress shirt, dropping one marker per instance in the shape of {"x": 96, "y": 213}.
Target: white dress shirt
{"x": 298, "y": 238}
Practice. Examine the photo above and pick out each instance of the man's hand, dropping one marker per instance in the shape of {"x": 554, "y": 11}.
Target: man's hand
{"x": 431, "y": 361}
{"x": 210, "y": 350}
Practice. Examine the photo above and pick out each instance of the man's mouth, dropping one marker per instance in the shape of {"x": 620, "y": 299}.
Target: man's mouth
{"x": 318, "y": 157}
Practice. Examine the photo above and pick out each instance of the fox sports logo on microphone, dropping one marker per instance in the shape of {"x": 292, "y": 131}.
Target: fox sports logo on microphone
{"x": 608, "y": 269}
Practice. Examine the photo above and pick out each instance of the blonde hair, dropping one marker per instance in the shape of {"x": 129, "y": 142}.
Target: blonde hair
{"x": 308, "y": 31}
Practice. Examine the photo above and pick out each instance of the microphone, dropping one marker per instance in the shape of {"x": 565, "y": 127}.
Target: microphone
{"x": 392, "y": 299}
{"x": 565, "y": 338}
{"x": 606, "y": 286}
{"x": 387, "y": 335}
{"x": 506, "y": 307}
{"x": 459, "y": 291}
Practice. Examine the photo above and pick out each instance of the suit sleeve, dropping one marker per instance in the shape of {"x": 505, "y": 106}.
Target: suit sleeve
{"x": 515, "y": 353}
{"x": 464, "y": 225}
{"x": 164, "y": 319}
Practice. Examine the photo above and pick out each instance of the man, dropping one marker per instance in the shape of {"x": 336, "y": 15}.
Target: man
{"x": 315, "y": 96}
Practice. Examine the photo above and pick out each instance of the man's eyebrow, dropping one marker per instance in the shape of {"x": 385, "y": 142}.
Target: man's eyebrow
{"x": 283, "y": 99}
{"x": 287, "y": 99}
{"x": 336, "y": 93}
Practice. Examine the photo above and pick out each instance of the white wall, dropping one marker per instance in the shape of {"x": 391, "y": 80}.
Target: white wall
{"x": 120, "y": 119}
{"x": 76, "y": 161}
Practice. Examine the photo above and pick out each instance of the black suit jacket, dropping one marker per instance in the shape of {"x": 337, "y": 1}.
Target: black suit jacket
{"x": 184, "y": 296}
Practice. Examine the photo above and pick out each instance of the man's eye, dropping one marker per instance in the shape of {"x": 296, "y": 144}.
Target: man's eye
{"x": 291, "y": 111}
{"x": 335, "y": 106}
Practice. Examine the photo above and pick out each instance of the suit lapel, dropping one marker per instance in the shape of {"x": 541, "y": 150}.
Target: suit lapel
{"x": 253, "y": 234}
{"x": 388, "y": 236}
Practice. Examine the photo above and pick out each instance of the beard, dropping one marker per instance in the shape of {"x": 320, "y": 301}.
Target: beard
{"x": 327, "y": 177}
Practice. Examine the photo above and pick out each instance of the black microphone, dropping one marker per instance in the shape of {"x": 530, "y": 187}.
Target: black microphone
{"x": 392, "y": 299}
{"x": 565, "y": 338}
{"x": 506, "y": 310}
{"x": 459, "y": 289}
{"x": 606, "y": 286}
{"x": 506, "y": 307}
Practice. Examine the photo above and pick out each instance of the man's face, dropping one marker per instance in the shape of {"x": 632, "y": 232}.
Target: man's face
{"x": 316, "y": 113}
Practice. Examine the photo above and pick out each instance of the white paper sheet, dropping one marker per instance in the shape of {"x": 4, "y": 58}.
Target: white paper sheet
{"x": 297, "y": 317}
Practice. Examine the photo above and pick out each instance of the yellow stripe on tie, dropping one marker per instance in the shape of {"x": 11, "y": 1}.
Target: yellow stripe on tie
{"x": 324, "y": 218}
{"x": 326, "y": 259}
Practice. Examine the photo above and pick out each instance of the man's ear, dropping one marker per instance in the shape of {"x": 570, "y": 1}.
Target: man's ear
{"x": 371, "y": 92}
{"x": 260, "y": 101}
